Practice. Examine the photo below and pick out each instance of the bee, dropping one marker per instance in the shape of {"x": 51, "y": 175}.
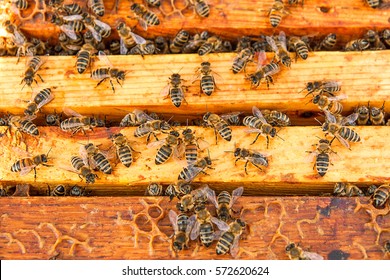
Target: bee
{"x": 78, "y": 122}
{"x": 115, "y": 47}
{"x": 137, "y": 117}
{"x": 377, "y": 115}
{"x": 243, "y": 43}
{"x": 299, "y": 46}
{"x": 83, "y": 170}
{"x": 201, "y": 7}
{"x": 370, "y": 190}
{"x": 154, "y": 189}
{"x": 174, "y": 89}
{"x": 328, "y": 43}
{"x": 257, "y": 123}
{"x": 95, "y": 158}
{"x": 242, "y": 59}
{"x": 224, "y": 202}
{"x": 276, "y": 13}
{"x": 249, "y": 156}
{"x": 97, "y": 7}
{"x": 179, "y": 41}
{"x": 78, "y": 191}
{"x": 192, "y": 145}
{"x": 374, "y": 40}
{"x": 195, "y": 199}
{"x": 25, "y": 165}
{"x": 169, "y": 147}
{"x": 229, "y": 239}
{"x": 18, "y": 40}
{"x": 233, "y": 118}
{"x": 143, "y": 49}
{"x": 386, "y": 247}
{"x": 191, "y": 171}
{"x": 3, "y": 46}
{"x": 297, "y": 253}
{"x": 322, "y": 154}
{"x": 23, "y": 124}
{"x": 280, "y": 48}
{"x": 155, "y": 3}
{"x": 69, "y": 45}
{"x": 59, "y": 190}
{"x": 219, "y": 124}
{"x": 109, "y": 72}
{"x": 144, "y": 16}
{"x": 53, "y": 119}
{"x": 374, "y": 3}
{"x": 12, "y": 48}
{"x": 151, "y": 127}
{"x": 182, "y": 228}
{"x": 98, "y": 28}
{"x": 203, "y": 226}
{"x": 357, "y": 45}
{"x": 329, "y": 104}
{"x": 20, "y": 4}
{"x": 264, "y": 72}
{"x": 32, "y": 67}
{"x": 84, "y": 57}
{"x": 178, "y": 190}
{"x": 386, "y": 36}
{"x": 327, "y": 87}
{"x": 276, "y": 118}
{"x": 69, "y": 24}
{"x": 72, "y": 9}
{"x": 339, "y": 130}
{"x": 347, "y": 189}
{"x": 212, "y": 44}
{"x": 41, "y": 98}
{"x": 128, "y": 39}
{"x": 381, "y": 195}
{"x": 363, "y": 114}
{"x": 207, "y": 80}
{"x": 195, "y": 42}
{"x": 161, "y": 44}
{"x": 123, "y": 149}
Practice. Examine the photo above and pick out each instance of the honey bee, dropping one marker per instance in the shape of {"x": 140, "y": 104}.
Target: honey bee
{"x": 97, "y": 7}
{"x": 69, "y": 45}
{"x": 374, "y": 40}
{"x": 192, "y": 145}
{"x": 224, "y": 202}
{"x": 327, "y": 87}
{"x": 386, "y": 36}
{"x": 161, "y": 44}
{"x": 263, "y": 72}
{"x": 78, "y": 191}
{"x": 169, "y": 147}
{"x": 377, "y": 115}
{"x": 20, "y": 4}
{"x": 276, "y": 13}
{"x": 339, "y": 130}
{"x": 41, "y": 98}
{"x": 233, "y": 119}
{"x": 276, "y": 118}
{"x": 109, "y": 72}
{"x": 357, "y": 45}
{"x": 295, "y": 252}
{"x": 84, "y": 57}
{"x": 229, "y": 239}
{"x": 154, "y": 189}
{"x": 178, "y": 190}
{"x": 212, "y": 44}
{"x": 280, "y": 48}
{"x": 143, "y": 49}
{"x": 182, "y": 228}
{"x": 201, "y": 7}
{"x": 94, "y": 158}
{"x": 299, "y": 46}
{"x": 329, "y": 104}
{"x": 219, "y": 124}
{"x": 69, "y": 24}
{"x": 207, "y": 80}
{"x": 155, "y": 3}
{"x": 17, "y": 40}
{"x": 363, "y": 114}
{"x": 381, "y": 195}
{"x": 322, "y": 154}
{"x": 190, "y": 172}
{"x": 23, "y": 124}
{"x": 179, "y": 41}
{"x": 242, "y": 59}
{"x": 195, "y": 43}
{"x": 53, "y": 119}
{"x": 249, "y": 156}
{"x": 386, "y": 247}
{"x": 194, "y": 200}
{"x": 83, "y": 170}
{"x": 115, "y": 47}
{"x": 98, "y": 28}
{"x": 144, "y": 16}
{"x": 78, "y": 122}
{"x": 123, "y": 149}
{"x": 137, "y": 117}
{"x": 32, "y": 67}
{"x": 151, "y": 127}
{"x": 59, "y": 190}
{"x": 25, "y": 165}
{"x": 347, "y": 189}
{"x": 257, "y": 123}
{"x": 3, "y": 46}
{"x": 174, "y": 89}
{"x": 128, "y": 39}
{"x": 328, "y": 43}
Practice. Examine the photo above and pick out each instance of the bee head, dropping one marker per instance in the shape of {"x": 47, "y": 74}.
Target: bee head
{"x": 134, "y": 7}
{"x": 177, "y": 246}
{"x": 120, "y": 26}
{"x": 290, "y": 246}
{"x": 205, "y": 64}
{"x": 165, "y": 125}
{"x": 60, "y": 189}
{"x": 241, "y": 223}
{"x": 208, "y": 160}
{"x": 90, "y": 178}
{"x": 174, "y": 133}
{"x": 121, "y": 75}
{"x": 325, "y": 126}
{"x": 206, "y": 116}
{"x": 310, "y": 86}
{"x": 375, "y": 111}
{"x": 273, "y": 132}
{"x": 237, "y": 152}
{"x": 316, "y": 99}
{"x": 326, "y": 141}
{"x": 187, "y": 131}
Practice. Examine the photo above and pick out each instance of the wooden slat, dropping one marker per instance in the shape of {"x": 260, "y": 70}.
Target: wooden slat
{"x": 288, "y": 172}
{"x": 232, "y": 19}
{"x": 364, "y": 77}
{"x": 139, "y": 228}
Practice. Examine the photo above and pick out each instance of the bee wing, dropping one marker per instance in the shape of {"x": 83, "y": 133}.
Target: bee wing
{"x": 202, "y": 144}
{"x": 311, "y": 156}
{"x": 73, "y": 17}
{"x": 261, "y": 59}
{"x": 180, "y": 150}
{"x": 156, "y": 143}
{"x": 330, "y": 117}
{"x": 138, "y": 39}
{"x": 235, "y": 195}
{"x": 326, "y": 84}
{"x": 102, "y": 25}
{"x": 336, "y": 98}
{"x": 122, "y": 47}
{"x": 173, "y": 219}
{"x": 18, "y": 38}
{"x": 165, "y": 90}
{"x": 143, "y": 24}
{"x": 68, "y": 31}
{"x": 142, "y": 117}
{"x": 190, "y": 224}
{"x": 25, "y": 170}
{"x": 342, "y": 140}
{"x": 96, "y": 35}
{"x": 312, "y": 256}
{"x": 211, "y": 196}
{"x": 195, "y": 229}
{"x": 50, "y": 98}
{"x": 229, "y": 115}
{"x": 234, "y": 248}
{"x": 103, "y": 57}
{"x": 282, "y": 39}
{"x": 21, "y": 153}
{"x": 253, "y": 130}
{"x": 257, "y": 113}
{"x": 220, "y": 224}
{"x": 272, "y": 44}
{"x": 195, "y": 172}
{"x": 70, "y": 112}
{"x": 350, "y": 119}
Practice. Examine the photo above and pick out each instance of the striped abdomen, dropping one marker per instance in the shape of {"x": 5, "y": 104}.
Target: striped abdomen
{"x": 100, "y": 73}
{"x": 83, "y": 60}
{"x": 302, "y": 50}
{"x": 335, "y": 108}
{"x": 205, "y": 48}
{"x": 176, "y": 96}
{"x": 179, "y": 41}
{"x": 207, "y": 84}
{"x": 102, "y": 163}
{"x": 270, "y": 68}
{"x": 150, "y": 18}
{"x": 182, "y": 222}
{"x": 329, "y": 42}
{"x": 28, "y": 127}
{"x": 381, "y": 195}
{"x": 275, "y": 17}
{"x": 163, "y": 154}
{"x": 142, "y": 130}
{"x": 224, "y": 130}
{"x": 21, "y": 4}
{"x": 252, "y": 122}
{"x": 34, "y": 63}
{"x": 71, "y": 123}
{"x": 202, "y": 8}
{"x": 76, "y": 25}
{"x": 98, "y": 7}
{"x": 322, "y": 163}
{"x": 224, "y": 243}
{"x": 125, "y": 155}
{"x": 77, "y": 162}
{"x": 191, "y": 153}
{"x": 73, "y": 9}
{"x": 188, "y": 173}
{"x": 348, "y": 134}
{"x": 43, "y": 95}
{"x": 22, "y": 163}
{"x": 206, "y": 233}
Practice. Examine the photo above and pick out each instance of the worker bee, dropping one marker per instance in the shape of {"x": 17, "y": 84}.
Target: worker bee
{"x": 68, "y": 44}
{"x": 174, "y": 89}
{"x": 295, "y": 252}
{"x": 250, "y": 156}
{"x": 276, "y": 118}
{"x": 144, "y": 16}
{"x": 53, "y": 119}
{"x": 32, "y": 67}
{"x": 59, "y": 190}
{"x": 69, "y": 24}
{"x": 115, "y": 47}
{"x": 95, "y": 158}
{"x": 178, "y": 190}
{"x": 207, "y": 80}
{"x": 128, "y": 39}
{"x": 212, "y": 44}
{"x": 78, "y": 122}
{"x": 195, "y": 42}
{"x": 276, "y": 13}
{"x": 374, "y": 40}
{"x": 328, "y": 43}
{"x": 339, "y": 130}
{"x": 161, "y": 44}
{"x": 41, "y": 98}
{"x": 155, "y": 3}
{"x": 25, "y": 165}
{"x": 241, "y": 60}
{"x": 280, "y": 48}
{"x": 123, "y": 149}
{"x": 78, "y": 191}
{"x": 386, "y": 36}
{"x": 257, "y": 123}
{"x": 23, "y": 124}
{"x": 195, "y": 199}
{"x": 98, "y": 28}
{"x": 327, "y": 87}
{"x": 97, "y": 7}
{"x": 3, "y": 46}
{"x": 229, "y": 239}
{"x": 151, "y": 127}
{"x": 381, "y": 195}
{"x": 20, "y": 4}
{"x": 233, "y": 118}
{"x": 299, "y": 46}
{"x": 108, "y": 72}
{"x": 263, "y": 72}
{"x": 169, "y": 147}
{"x": 84, "y": 57}
{"x": 357, "y": 45}
{"x": 137, "y": 117}
{"x": 191, "y": 171}
{"x": 179, "y": 41}
{"x": 347, "y": 189}
{"x": 182, "y": 228}
{"x": 154, "y": 189}
{"x": 192, "y": 145}
{"x": 322, "y": 154}
{"x": 329, "y": 104}
{"x": 83, "y": 170}
{"x": 377, "y": 115}
{"x": 219, "y": 124}
{"x": 363, "y": 114}
{"x": 201, "y": 7}
{"x": 386, "y": 247}
{"x": 374, "y": 3}
{"x": 17, "y": 40}
{"x": 148, "y": 47}
{"x": 224, "y": 202}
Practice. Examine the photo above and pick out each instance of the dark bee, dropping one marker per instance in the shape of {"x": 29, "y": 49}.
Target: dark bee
{"x": 386, "y": 36}
{"x": 32, "y": 67}
{"x": 182, "y": 228}
{"x": 229, "y": 239}
{"x": 347, "y": 189}
{"x": 212, "y": 44}
{"x": 297, "y": 253}
{"x": 195, "y": 43}
{"x": 249, "y": 156}
{"x": 144, "y": 16}
{"x": 374, "y": 40}
{"x": 148, "y": 47}
{"x": 299, "y": 46}
{"x": 98, "y": 28}
{"x": 191, "y": 146}
{"x": 174, "y": 89}
{"x": 53, "y": 119}
{"x": 363, "y": 114}
{"x": 59, "y": 190}
{"x": 78, "y": 191}
{"x": 322, "y": 154}
{"x": 78, "y": 122}
{"x": 242, "y": 59}
{"x": 280, "y": 48}
{"x": 264, "y": 72}
{"x": 154, "y": 189}
{"x": 41, "y": 98}
{"x": 161, "y": 44}
{"x": 243, "y": 43}
{"x": 328, "y": 43}
{"x": 25, "y": 165}
{"x": 178, "y": 190}
{"x": 97, "y": 7}
{"x": 276, "y": 118}
{"x": 196, "y": 198}
{"x": 381, "y": 195}
{"x": 84, "y": 57}
{"x": 23, "y": 124}
{"x": 190, "y": 172}
{"x": 201, "y": 7}
{"x": 151, "y": 127}
{"x": 329, "y": 104}
{"x": 179, "y": 41}
{"x": 386, "y": 247}
{"x": 17, "y": 41}
{"x": 169, "y": 147}
{"x": 207, "y": 80}
{"x": 357, "y": 45}
{"x": 276, "y": 13}
{"x": 68, "y": 45}
{"x": 3, "y": 46}
{"x": 377, "y": 115}
{"x": 224, "y": 202}
{"x": 327, "y": 87}
{"x": 83, "y": 170}
{"x": 219, "y": 124}
{"x": 233, "y": 118}
{"x": 123, "y": 149}
{"x": 95, "y": 158}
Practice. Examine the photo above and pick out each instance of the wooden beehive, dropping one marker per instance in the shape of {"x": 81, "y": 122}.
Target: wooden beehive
{"x": 288, "y": 202}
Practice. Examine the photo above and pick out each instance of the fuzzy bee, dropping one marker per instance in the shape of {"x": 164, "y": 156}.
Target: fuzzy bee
{"x": 276, "y": 13}
{"x": 377, "y": 115}
{"x": 99, "y": 29}
{"x": 229, "y": 239}
{"x": 97, "y": 6}
{"x": 169, "y": 146}
{"x": 182, "y": 227}
{"x": 96, "y": 159}
{"x": 179, "y": 41}
{"x": 347, "y": 189}
{"x": 84, "y": 171}
{"x": 70, "y": 25}
{"x": 58, "y": 190}
{"x": 192, "y": 145}
{"x": 263, "y": 72}
{"x": 78, "y": 122}
{"x": 40, "y": 99}
{"x": 242, "y": 59}
{"x": 190, "y": 172}
{"x": 328, "y": 43}
{"x": 280, "y": 48}
{"x": 201, "y": 7}
{"x": 322, "y": 154}
{"x": 249, "y": 156}
{"x": 357, "y": 45}
{"x": 32, "y": 67}
{"x": 219, "y": 124}
{"x": 174, "y": 89}
{"x": 206, "y": 77}
{"x": 25, "y": 165}
{"x": 178, "y": 190}
{"x": 323, "y": 87}
{"x": 128, "y": 39}
{"x": 135, "y": 118}
{"x": 145, "y": 17}
{"x": 123, "y": 150}
{"x": 380, "y": 195}
{"x": 295, "y": 252}
{"x": 154, "y": 189}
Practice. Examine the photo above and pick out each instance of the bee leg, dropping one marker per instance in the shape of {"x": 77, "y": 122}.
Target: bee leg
{"x": 258, "y": 167}
{"x": 330, "y": 143}
{"x": 39, "y": 78}
{"x": 101, "y": 81}
{"x": 35, "y": 173}
{"x": 257, "y": 136}
{"x": 216, "y": 137}
{"x": 267, "y": 141}
{"x": 245, "y": 167}
{"x": 112, "y": 86}
{"x": 236, "y": 161}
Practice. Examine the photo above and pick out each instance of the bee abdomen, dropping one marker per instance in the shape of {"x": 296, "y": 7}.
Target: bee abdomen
{"x": 176, "y": 97}
{"x": 163, "y": 154}
{"x": 103, "y": 163}
{"x": 151, "y": 19}
{"x": 77, "y": 162}
{"x": 322, "y": 164}
{"x": 381, "y": 195}
{"x": 225, "y": 131}
{"x": 252, "y": 122}
{"x": 125, "y": 155}
{"x": 191, "y": 153}
{"x": 202, "y": 9}
{"x": 182, "y": 222}
{"x": 224, "y": 243}
{"x": 178, "y": 42}
{"x": 185, "y": 174}
{"x": 42, "y": 95}
{"x": 349, "y": 135}
{"x": 100, "y": 73}
{"x": 206, "y": 233}
{"x": 302, "y": 50}
{"x": 207, "y": 84}
{"x": 224, "y": 197}
{"x": 83, "y": 60}
{"x": 205, "y": 49}
{"x": 18, "y": 165}
{"x": 29, "y": 128}
{"x": 275, "y": 19}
